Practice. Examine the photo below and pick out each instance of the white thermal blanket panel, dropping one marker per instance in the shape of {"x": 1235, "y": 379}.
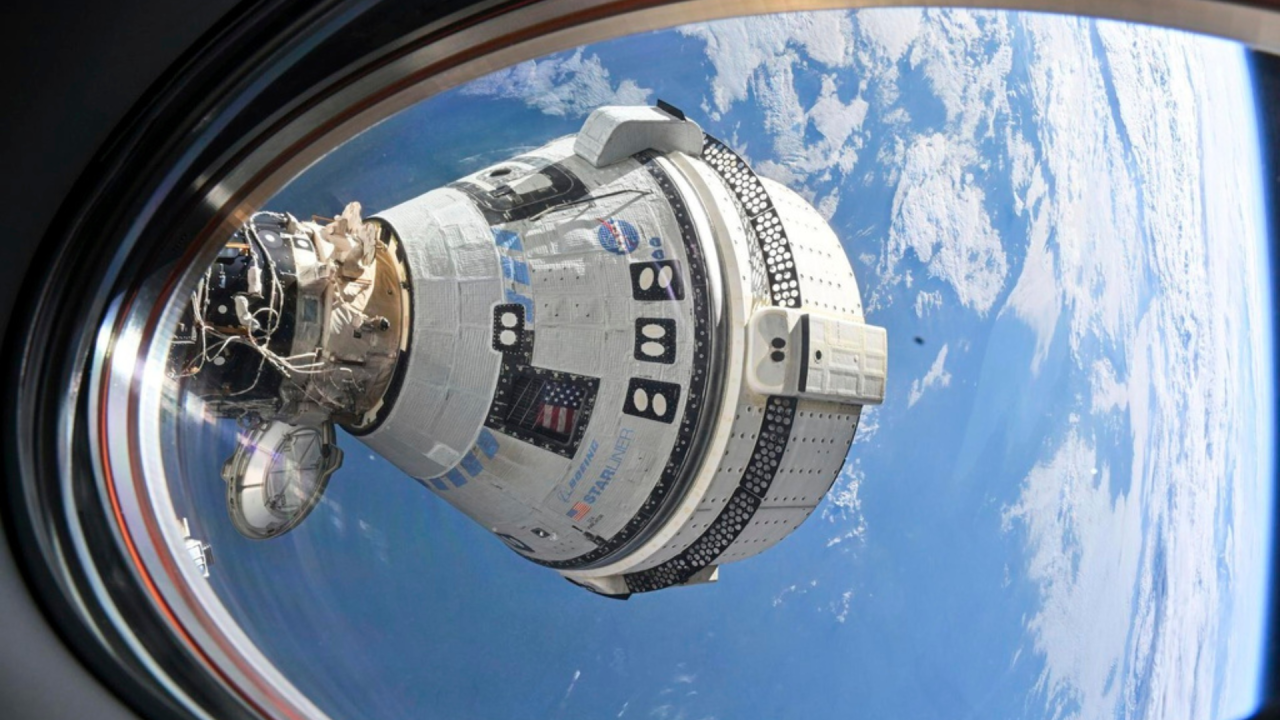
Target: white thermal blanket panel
{"x": 456, "y": 280}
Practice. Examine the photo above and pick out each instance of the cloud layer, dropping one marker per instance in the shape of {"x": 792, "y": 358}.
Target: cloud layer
{"x": 1136, "y": 585}
{"x": 936, "y": 377}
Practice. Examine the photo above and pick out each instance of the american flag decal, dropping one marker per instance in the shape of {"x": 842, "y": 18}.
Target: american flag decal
{"x": 558, "y": 405}
{"x": 556, "y": 418}
{"x": 579, "y": 510}
{"x": 545, "y": 408}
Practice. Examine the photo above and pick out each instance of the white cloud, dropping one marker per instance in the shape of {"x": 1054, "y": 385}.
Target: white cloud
{"x": 927, "y": 303}
{"x": 841, "y": 607}
{"x": 560, "y": 85}
{"x": 1108, "y": 393}
{"x": 889, "y": 31}
{"x": 936, "y": 377}
{"x": 775, "y": 93}
{"x": 843, "y": 506}
{"x": 1087, "y": 245}
{"x": 793, "y": 589}
{"x": 966, "y": 57}
{"x": 835, "y": 121}
{"x": 1084, "y": 553}
{"x": 1144, "y": 260}
{"x": 868, "y": 424}
{"x": 569, "y": 690}
{"x": 739, "y": 47}
{"x": 1035, "y": 298}
{"x": 781, "y": 597}
{"x": 939, "y": 215}
{"x": 839, "y": 124}
{"x": 828, "y": 204}
{"x": 939, "y": 207}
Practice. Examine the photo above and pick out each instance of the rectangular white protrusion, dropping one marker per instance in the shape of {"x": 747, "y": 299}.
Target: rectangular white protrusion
{"x": 817, "y": 355}
{"x": 708, "y": 574}
{"x": 613, "y": 133}
{"x": 607, "y": 585}
{"x": 442, "y": 454}
{"x": 845, "y": 361}
{"x": 530, "y": 183}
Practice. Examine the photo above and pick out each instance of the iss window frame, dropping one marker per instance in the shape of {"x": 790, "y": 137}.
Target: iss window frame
{"x": 210, "y": 134}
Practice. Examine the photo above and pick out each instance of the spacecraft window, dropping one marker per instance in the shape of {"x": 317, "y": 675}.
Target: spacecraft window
{"x": 546, "y": 408}
{"x": 399, "y": 383}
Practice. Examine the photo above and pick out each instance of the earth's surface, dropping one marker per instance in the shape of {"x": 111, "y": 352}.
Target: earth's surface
{"x": 1061, "y": 510}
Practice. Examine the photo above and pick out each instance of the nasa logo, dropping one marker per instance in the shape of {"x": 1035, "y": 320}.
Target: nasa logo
{"x": 618, "y": 236}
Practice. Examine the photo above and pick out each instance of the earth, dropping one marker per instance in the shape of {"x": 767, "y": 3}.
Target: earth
{"x": 1060, "y": 511}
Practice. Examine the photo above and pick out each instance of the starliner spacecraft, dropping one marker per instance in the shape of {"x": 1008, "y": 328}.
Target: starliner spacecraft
{"x": 624, "y": 353}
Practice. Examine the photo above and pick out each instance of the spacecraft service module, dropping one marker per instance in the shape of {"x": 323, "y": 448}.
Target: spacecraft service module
{"x": 624, "y": 353}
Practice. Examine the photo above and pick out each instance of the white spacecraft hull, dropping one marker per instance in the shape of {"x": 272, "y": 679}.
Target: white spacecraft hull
{"x": 623, "y": 353}
{"x": 615, "y": 427}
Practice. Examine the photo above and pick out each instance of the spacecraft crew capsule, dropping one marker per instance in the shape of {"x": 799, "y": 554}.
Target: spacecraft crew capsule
{"x": 624, "y": 353}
